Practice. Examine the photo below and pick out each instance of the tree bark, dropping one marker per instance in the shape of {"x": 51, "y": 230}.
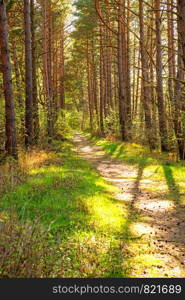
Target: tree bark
{"x": 28, "y": 76}
{"x": 62, "y": 94}
{"x": 159, "y": 70}
{"x": 145, "y": 81}
{"x": 121, "y": 71}
{"x": 11, "y": 143}
{"x": 34, "y": 78}
{"x": 181, "y": 30}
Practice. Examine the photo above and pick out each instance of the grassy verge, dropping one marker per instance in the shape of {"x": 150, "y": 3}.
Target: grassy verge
{"x": 65, "y": 214}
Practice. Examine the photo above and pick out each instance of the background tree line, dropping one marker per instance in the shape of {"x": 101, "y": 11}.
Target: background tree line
{"x": 119, "y": 68}
{"x": 132, "y": 57}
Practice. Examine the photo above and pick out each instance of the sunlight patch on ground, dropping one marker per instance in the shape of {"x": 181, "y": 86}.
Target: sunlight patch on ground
{"x": 46, "y": 170}
{"x": 156, "y": 206}
{"x": 86, "y": 149}
{"x": 107, "y": 214}
{"x": 124, "y": 196}
{"x": 151, "y": 264}
{"x": 155, "y": 187}
{"x": 120, "y": 180}
{"x": 142, "y": 228}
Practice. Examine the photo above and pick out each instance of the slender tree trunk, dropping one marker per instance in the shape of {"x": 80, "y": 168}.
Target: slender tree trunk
{"x": 159, "y": 70}
{"x": 95, "y": 84}
{"x": 128, "y": 72}
{"x": 89, "y": 87}
{"x": 101, "y": 82}
{"x": 18, "y": 81}
{"x": 122, "y": 93}
{"x": 28, "y": 76}
{"x": 62, "y": 94}
{"x": 178, "y": 97}
{"x": 171, "y": 55}
{"x": 47, "y": 62}
{"x": 146, "y": 97}
{"x": 49, "y": 70}
{"x": 181, "y": 30}
{"x": 34, "y": 78}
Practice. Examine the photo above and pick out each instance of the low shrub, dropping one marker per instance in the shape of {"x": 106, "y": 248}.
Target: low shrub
{"x": 26, "y": 249}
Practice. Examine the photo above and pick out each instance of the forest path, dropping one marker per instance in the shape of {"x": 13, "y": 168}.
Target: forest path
{"x": 157, "y": 223}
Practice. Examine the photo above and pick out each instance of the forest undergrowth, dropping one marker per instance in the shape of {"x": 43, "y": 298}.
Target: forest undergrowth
{"x": 61, "y": 218}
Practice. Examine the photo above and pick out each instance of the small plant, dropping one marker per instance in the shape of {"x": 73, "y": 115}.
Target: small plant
{"x": 10, "y": 174}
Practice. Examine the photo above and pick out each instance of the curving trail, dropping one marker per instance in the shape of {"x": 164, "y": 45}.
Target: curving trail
{"x": 158, "y": 224}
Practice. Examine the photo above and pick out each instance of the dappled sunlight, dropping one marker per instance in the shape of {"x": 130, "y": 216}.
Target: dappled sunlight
{"x": 156, "y": 206}
{"x": 153, "y": 248}
{"x": 158, "y": 188}
{"x": 104, "y": 222}
{"x": 46, "y": 170}
{"x": 150, "y": 265}
{"x": 108, "y": 187}
{"x": 119, "y": 180}
{"x": 86, "y": 149}
{"x": 126, "y": 197}
{"x": 141, "y": 229}
{"x": 107, "y": 215}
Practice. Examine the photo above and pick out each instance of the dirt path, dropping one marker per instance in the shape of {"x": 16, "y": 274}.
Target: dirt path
{"x": 161, "y": 224}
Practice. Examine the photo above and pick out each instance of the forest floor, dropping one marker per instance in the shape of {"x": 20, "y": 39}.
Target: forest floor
{"x": 155, "y": 224}
{"x": 88, "y": 207}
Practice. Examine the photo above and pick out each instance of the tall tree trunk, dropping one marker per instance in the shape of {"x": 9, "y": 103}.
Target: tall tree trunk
{"x": 90, "y": 100}
{"x": 159, "y": 70}
{"x": 95, "y": 86}
{"x": 171, "y": 55}
{"x": 34, "y": 78}
{"x": 101, "y": 82}
{"x": 28, "y": 76}
{"x": 47, "y": 62}
{"x": 178, "y": 96}
{"x": 18, "y": 81}
{"x": 50, "y": 69}
{"x": 181, "y": 30}
{"x": 128, "y": 72}
{"x": 62, "y": 94}
{"x": 11, "y": 143}
{"x": 145, "y": 81}
{"x": 121, "y": 71}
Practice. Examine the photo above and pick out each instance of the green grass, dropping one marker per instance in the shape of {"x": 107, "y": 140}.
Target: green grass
{"x": 91, "y": 232}
{"x": 75, "y": 205}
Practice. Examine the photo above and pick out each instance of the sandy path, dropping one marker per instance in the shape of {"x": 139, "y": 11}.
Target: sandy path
{"x": 164, "y": 222}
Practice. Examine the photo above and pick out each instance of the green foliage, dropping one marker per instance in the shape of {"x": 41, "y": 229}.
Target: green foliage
{"x": 9, "y": 4}
{"x": 112, "y": 126}
{"x": 16, "y": 31}
{"x": 66, "y": 123}
{"x": 87, "y": 18}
